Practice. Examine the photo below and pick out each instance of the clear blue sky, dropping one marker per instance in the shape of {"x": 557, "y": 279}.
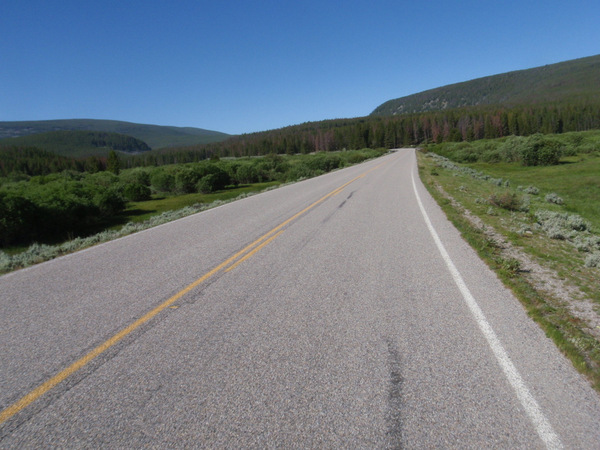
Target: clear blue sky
{"x": 245, "y": 66}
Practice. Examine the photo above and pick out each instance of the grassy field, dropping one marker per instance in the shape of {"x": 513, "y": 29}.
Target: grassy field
{"x": 576, "y": 180}
{"x": 502, "y": 211}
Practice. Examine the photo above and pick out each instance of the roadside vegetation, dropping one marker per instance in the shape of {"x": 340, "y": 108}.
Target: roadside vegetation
{"x": 531, "y": 207}
{"x": 44, "y": 216}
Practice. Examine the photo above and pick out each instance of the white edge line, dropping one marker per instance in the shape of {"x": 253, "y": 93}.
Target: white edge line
{"x": 533, "y": 410}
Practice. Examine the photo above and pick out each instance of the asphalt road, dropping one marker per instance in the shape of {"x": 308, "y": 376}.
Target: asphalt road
{"x": 357, "y": 318}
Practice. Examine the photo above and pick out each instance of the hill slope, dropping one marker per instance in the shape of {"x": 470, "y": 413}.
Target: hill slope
{"x": 155, "y": 136}
{"x": 79, "y": 143}
{"x": 570, "y": 81}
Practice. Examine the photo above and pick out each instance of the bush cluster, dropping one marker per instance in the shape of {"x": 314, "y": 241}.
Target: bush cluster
{"x": 58, "y": 206}
{"x": 561, "y": 225}
{"x": 539, "y": 150}
{"x": 54, "y": 206}
{"x": 535, "y": 150}
{"x": 573, "y": 228}
{"x": 532, "y": 190}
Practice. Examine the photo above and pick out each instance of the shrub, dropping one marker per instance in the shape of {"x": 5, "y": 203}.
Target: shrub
{"x": 507, "y": 201}
{"x": 299, "y": 171}
{"x": 104, "y": 179}
{"x": 510, "y": 266}
{"x": 531, "y": 190}
{"x": 109, "y": 202}
{"x": 356, "y": 157}
{"x": 18, "y": 216}
{"x": 136, "y": 192}
{"x": 491, "y": 156}
{"x": 510, "y": 149}
{"x": 588, "y": 244}
{"x": 539, "y": 150}
{"x": 593, "y": 260}
{"x": 5, "y": 262}
{"x": 324, "y": 162}
{"x": 185, "y": 180}
{"x": 246, "y": 174}
{"x": 467, "y": 155}
{"x": 554, "y": 198}
{"x": 162, "y": 181}
{"x": 138, "y": 175}
{"x": 575, "y": 222}
{"x": 561, "y": 225}
{"x": 220, "y": 177}
{"x": 208, "y": 183}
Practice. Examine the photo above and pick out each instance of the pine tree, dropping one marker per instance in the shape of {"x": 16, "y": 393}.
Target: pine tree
{"x": 113, "y": 164}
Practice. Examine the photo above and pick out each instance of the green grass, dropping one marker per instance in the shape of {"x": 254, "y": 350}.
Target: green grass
{"x": 576, "y": 180}
{"x": 572, "y": 182}
{"x": 141, "y": 211}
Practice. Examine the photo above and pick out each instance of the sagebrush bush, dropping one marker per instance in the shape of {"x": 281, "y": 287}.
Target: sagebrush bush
{"x": 5, "y": 262}
{"x": 587, "y": 244}
{"x": 531, "y": 190}
{"x": 554, "y": 198}
{"x": 561, "y": 225}
{"x": 593, "y": 260}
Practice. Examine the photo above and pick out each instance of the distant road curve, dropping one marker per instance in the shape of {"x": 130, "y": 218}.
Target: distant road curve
{"x": 341, "y": 311}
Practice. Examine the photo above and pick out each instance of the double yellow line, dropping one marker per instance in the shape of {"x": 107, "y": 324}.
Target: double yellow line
{"x": 226, "y": 265}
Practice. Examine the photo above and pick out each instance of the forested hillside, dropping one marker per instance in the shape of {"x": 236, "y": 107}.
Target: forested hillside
{"x": 154, "y": 135}
{"x": 79, "y": 143}
{"x": 460, "y": 124}
{"x": 567, "y": 82}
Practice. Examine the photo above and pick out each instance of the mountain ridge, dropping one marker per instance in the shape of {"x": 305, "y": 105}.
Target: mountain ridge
{"x": 78, "y": 143}
{"x": 156, "y": 136}
{"x": 573, "y": 80}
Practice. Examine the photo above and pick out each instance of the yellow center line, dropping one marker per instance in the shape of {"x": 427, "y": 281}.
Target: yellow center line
{"x": 233, "y": 261}
{"x": 267, "y": 242}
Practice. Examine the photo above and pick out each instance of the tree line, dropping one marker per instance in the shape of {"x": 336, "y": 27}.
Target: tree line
{"x": 31, "y": 161}
{"x": 462, "y": 124}
{"x": 456, "y": 125}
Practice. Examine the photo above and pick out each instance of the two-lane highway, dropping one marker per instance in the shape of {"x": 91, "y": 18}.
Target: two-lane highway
{"x": 342, "y": 311}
